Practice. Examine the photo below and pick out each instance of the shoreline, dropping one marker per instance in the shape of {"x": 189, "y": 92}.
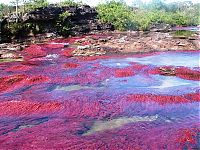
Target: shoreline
{"x": 107, "y": 43}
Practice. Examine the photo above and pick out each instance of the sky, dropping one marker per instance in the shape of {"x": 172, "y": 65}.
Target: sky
{"x": 95, "y": 2}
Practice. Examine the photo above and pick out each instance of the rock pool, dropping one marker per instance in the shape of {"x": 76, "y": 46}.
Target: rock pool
{"x": 53, "y": 101}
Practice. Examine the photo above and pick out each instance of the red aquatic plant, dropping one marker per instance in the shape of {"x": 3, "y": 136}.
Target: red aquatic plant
{"x": 125, "y": 72}
{"x": 181, "y": 72}
{"x": 138, "y": 67}
{"x": 161, "y": 99}
{"x": 34, "y": 51}
{"x": 12, "y": 82}
{"x": 68, "y": 52}
{"x": 19, "y": 68}
{"x": 193, "y": 96}
{"x": 187, "y": 73}
{"x": 27, "y": 107}
{"x": 188, "y": 138}
{"x": 17, "y": 81}
{"x": 71, "y": 65}
{"x": 37, "y": 79}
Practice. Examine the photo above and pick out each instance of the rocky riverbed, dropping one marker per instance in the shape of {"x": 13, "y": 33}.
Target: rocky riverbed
{"x": 74, "y": 94}
{"x": 101, "y": 43}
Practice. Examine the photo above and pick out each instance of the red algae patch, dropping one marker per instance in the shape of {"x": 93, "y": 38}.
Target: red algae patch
{"x": 19, "y": 68}
{"x": 193, "y": 96}
{"x": 189, "y": 136}
{"x": 181, "y": 72}
{"x": 126, "y": 72}
{"x": 13, "y": 108}
{"x": 68, "y": 52}
{"x": 161, "y": 99}
{"x": 35, "y": 51}
{"x": 12, "y": 82}
{"x": 138, "y": 67}
{"x": 37, "y": 79}
{"x": 93, "y": 103}
{"x": 188, "y": 74}
{"x": 71, "y": 65}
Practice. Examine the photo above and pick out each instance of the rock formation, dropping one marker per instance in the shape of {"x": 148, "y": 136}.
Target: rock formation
{"x": 81, "y": 20}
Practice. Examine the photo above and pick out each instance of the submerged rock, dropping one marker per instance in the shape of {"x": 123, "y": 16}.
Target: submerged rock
{"x": 119, "y": 122}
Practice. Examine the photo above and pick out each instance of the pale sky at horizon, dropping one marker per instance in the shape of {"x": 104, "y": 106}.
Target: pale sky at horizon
{"x": 95, "y": 2}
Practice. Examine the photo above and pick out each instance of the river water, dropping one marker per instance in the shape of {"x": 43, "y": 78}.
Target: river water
{"x": 50, "y": 101}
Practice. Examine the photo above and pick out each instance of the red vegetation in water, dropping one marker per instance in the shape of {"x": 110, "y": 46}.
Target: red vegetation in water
{"x": 18, "y": 68}
{"x": 193, "y": 96}
{"x": 37, "y": 79}
{"x": 138, "y": 67}
{"x": 181, "y": 72}
{"x": 71, "y": 65}
{"x": 13, "y": 108}
{"x": 35, "y": 51}
{"x": 124, "y": 72}
{"x": 84, "y": 105}
{"x": 187, "y": 73}
{"x": 71, "y": 114}
{"x": 163, "y": 99}
{"x": 188, "y": 136}
{"x": 17, "y": 81}
{"x": 68, "y": 52}
{"x": 12, "y": 82}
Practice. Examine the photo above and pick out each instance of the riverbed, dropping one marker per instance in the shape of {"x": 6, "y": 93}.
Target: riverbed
{"x": 51, "y": 100}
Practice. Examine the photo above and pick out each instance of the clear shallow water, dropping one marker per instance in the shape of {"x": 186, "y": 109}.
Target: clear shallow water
{"x": 55, "y": 102}
{"x": 163, "y": 59}
{"x": 153, "y": 84}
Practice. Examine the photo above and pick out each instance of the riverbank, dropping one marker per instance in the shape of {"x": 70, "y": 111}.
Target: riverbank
{"x": 107, "y": 42}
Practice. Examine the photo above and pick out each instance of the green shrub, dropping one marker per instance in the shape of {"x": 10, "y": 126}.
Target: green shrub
{"x": 63, "y": 24}
{"x": 64, "y": 15}
{"x": 34, "y": 4}
{"x": 70, "y": 3}
{"x": 17, "y": 30}
{"x": 124, "y": 18}
{"x": 117, "y": 13}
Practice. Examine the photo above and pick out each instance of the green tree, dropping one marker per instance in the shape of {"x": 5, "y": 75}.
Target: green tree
{"x": 70, "y": 3}
{"x": 34, "y": 4}
{"x": 117, "y": 13}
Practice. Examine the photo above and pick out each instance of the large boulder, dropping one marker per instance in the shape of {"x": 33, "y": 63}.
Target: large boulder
{"x": 52, "y": 12}
{"x": 42, "y": 14}
{"x": 81, "y": 20}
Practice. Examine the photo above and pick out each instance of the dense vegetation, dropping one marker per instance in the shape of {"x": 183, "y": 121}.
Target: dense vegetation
{"x": 138, "y": 16}
{"x": 142, "y": 16}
